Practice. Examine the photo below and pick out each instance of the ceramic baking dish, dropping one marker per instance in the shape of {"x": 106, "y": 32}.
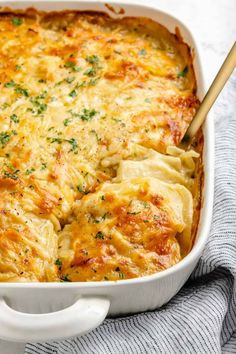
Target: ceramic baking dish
{"x": 47, "y": 311}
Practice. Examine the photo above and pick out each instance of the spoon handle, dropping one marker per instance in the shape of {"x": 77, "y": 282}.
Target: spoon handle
{"x": 212, "y": 94}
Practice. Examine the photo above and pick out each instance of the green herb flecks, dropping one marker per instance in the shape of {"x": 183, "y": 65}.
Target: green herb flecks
{"x": 55, "y": 140}
{"x": 73, "y": 93}
{"x": 10, "y": 84}
{"x": 73, "y": 142}
{"x": 142, "y": 52}
{"x": 11, "y": 175}
{"x": 14, "y": 118}
{"x": 71, "y": 65}
{"x": 65, "y": 278}
{"x": 40, "y": 106}
{"x": 4, "y": 138}
{"x": 22, "y": 91}
{"x": 99, "y": 235}
{"x": 16, "y": 21}
{"x": 87, "y": 114}
{"x": 69, "y": 80}
{"x": 5, "y": 105}
{"x": 58, "y": 263}
{"x": 183, "y": 73}
{"x": 156, "y": 217}
{"x": 44, "y": 166}
{"x": 29, "y": 171}
{"x": 93, "y": 131}
{"x": 145, "y": 205}
{"x": 92, "y": 59}
{"x": 93, "y": 82}
{"x": 91, "y": 71}
{"x": 81, "y": 189}
{"x": 66, "y": 122}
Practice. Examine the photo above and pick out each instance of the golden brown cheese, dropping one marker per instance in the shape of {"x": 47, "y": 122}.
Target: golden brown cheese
{"x": 125, "y": 230}
{"x": 86, "y": 99}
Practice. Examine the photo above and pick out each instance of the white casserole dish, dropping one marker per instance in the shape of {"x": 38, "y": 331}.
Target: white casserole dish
{"x": 49, "y": 311}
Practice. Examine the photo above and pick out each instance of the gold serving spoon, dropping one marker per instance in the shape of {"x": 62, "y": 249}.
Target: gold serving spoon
{"x": 210, "y": 97}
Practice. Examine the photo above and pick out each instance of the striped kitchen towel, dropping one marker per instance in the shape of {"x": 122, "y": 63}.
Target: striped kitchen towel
{"x": 201, "y": 318}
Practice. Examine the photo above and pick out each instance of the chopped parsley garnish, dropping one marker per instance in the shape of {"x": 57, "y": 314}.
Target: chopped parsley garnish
{"x": 12, "y": 175}
{"x": 99, "y": 235}
{"x": 99, "y": 219}
{"x": 74, "y": 114}
{"x": 92, "y": 82}
{"x": 73, "y": 93}
{"x": 73, "y": 143}
{"x": 133, "y": 213}
{"x": 41, "y": 107}
{"x": 16, "y": 21}
{"x": 156, "y": 217}
{"x": 87, "y": 114}
{"x": 73, "y": 66}
{"x": 81, "y": 189}
{"x": 29, "y": 171}
{"x": 14, "y": 118}
{"x": 4, "y": 138}
{"x": 18, "y": 67}
{"x": 22, "y": 91}
{"x": 42, "y": 95}
{"x": 10, "y": 84}
{"x": 58, "y": 263}
{"x": 66, "y": 122}
{"x": 92, "y": 59}
{"x": 55, "y": 140}
{"x": 44, "y": 166}
{"x": 103, "y": 197}
{"x": 147, "y": 100}
{"x": 96, "y": 134}
{"x": 81, "y": 84}
{"x": 18, "y": 89}
{"x": 65, "y": 278}
{"x": 5, "y": 105}
{"x": 142, "y": 52}
{"x": 42, "y": 81}
{"x": 91, "y": 71}
{"x": 183, "y": 72}
{"x": 145, "y": 205}
{"x": 69, "y": 80}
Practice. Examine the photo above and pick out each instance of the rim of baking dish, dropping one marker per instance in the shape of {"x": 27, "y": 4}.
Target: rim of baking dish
{"x": 208, "y": 153}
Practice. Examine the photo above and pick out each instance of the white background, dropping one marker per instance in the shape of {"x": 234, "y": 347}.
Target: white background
{"x": 213, "y": 24}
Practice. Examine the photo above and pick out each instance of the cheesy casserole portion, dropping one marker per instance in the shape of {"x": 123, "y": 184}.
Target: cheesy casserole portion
{"x": 92, "y": 184}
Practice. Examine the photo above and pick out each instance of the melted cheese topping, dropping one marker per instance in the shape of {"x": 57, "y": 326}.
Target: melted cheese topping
{"x": 92, "y": 105}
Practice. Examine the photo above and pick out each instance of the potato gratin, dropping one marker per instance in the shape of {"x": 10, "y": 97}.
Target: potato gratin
{"x": 92, "y": 184}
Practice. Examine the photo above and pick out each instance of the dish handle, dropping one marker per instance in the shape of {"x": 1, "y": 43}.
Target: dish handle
{"x": 81, "y": 317}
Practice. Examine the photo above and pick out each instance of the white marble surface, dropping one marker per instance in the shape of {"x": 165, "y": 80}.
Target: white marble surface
{"x": 214, "y": 27}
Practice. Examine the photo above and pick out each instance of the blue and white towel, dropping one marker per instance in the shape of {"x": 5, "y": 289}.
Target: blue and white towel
{"x": 201, "y": 318}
